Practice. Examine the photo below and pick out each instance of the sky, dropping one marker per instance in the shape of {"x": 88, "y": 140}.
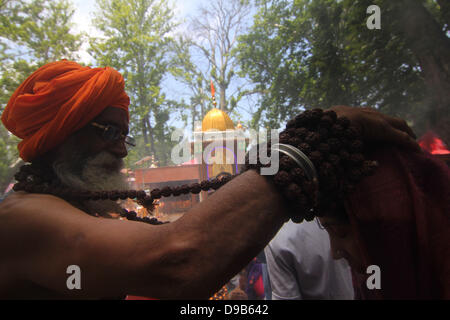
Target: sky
{"x": 183, "y": 9}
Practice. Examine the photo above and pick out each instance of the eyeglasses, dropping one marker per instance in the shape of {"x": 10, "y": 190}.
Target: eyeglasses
{"x": 113, "y": 133}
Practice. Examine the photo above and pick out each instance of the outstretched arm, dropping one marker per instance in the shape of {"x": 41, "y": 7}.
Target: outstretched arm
{"x": 187, "y": 259}
{"x": 41, "y": 235}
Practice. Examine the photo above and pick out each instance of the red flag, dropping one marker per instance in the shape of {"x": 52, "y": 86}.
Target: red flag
{"x": 213, "y": 91}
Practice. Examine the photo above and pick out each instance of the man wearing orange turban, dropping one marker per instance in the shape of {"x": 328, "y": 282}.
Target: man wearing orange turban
{"x": 74, "y": 124}
{"x": 57, "y": 100}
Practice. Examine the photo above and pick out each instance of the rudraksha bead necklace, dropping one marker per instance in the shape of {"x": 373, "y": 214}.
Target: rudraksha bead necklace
{"x": 331, "y": 144}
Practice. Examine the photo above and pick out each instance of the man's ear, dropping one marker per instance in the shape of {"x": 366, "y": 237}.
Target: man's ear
{"x": 75, "y": 139}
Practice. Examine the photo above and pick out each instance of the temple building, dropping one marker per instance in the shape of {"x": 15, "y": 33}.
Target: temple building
{"x": 217, "y": 148}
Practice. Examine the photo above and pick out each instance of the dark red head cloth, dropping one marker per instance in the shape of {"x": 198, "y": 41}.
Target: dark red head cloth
{"x": 401, "y": 218}
{"x": 57, "y": 100}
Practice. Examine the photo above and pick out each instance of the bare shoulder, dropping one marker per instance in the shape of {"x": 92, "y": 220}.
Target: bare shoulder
{"x": 36, "y": 219}
{"x": 9, "y": 204}
{"x": 22, "y": 203}
{"x": 17, "y": 199}
{"x": 41, "y": 235}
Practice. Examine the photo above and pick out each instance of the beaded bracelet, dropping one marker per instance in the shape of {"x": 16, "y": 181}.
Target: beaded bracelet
{"x": 303, "y": 162}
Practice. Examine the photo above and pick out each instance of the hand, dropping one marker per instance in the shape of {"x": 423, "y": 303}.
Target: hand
{"x": 377, "y": 127}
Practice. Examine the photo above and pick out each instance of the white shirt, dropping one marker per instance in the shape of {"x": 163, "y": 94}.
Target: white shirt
{"x": 300, "y": 265}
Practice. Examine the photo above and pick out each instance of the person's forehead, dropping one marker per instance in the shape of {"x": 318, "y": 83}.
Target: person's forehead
{"x": 114, "y": 116}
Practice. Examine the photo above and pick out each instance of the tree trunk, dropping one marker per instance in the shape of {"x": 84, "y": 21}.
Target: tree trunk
{"x": 223, "y": 101}
{"x": 202, "y": 111}
{"x": 145, "y": 135}
{"x": 13, "y": 169}
{"x": 432, "y": 49}
{"x": 151, "y": 136}
{"x": 194, "y": 115}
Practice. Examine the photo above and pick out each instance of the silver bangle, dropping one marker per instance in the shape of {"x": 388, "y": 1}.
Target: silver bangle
{"x": 299, "y": 157}
{"x": 302, "y": 161}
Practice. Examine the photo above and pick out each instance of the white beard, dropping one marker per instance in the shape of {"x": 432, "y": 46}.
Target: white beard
{"x": 98, "y": 173}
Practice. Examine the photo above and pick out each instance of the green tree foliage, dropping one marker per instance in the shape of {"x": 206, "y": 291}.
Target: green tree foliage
{"x": 136, "y": 41}
{"x": 41, "y": 29}
{"x": 318, "y": 53}
{"x": 32, "y": 33}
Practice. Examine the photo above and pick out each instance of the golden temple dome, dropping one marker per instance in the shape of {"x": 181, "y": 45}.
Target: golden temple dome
{"x": 218, "y": 120}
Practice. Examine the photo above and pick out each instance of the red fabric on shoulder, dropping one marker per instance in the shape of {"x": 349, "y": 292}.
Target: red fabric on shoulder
{"x": 401, "y": 217}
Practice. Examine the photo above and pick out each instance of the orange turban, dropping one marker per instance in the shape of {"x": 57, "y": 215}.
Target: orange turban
{"x": 57, "y": 100}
